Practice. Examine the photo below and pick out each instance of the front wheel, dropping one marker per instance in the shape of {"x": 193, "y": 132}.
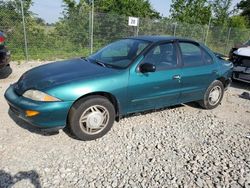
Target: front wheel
{"x": 213, "y": 95}
{"x": 91, "y": 117}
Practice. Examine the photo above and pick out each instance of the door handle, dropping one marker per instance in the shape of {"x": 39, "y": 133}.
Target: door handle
{"x": 176, "y": 77}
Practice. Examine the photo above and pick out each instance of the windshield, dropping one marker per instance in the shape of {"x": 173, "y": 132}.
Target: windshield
{"x": 119, "y": 54}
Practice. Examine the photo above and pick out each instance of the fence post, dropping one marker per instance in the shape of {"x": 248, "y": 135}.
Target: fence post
{"x": 204, "y": 34}
{"x": 175, "y": 25}
{"x": 208, "y": 27}
{"x": 92, "y": 28}
{"x": 228, "y": 36}
{"x": 24, "y": 32}
{"x": 138, "y": 27}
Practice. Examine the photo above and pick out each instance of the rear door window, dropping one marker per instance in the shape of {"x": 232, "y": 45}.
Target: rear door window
{"x": 207, "y": 58}
{"x": 191, "y": 54}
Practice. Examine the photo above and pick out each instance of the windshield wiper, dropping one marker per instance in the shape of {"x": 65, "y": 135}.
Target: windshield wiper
{"x": 112, "y": 66}
{"x": 95, "y": 60}
{"x": 99, "y": 63}
{"x": 84, "y": 58}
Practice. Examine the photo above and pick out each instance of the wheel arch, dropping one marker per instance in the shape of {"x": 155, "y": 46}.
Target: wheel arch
{"x": 225, "y": 81}
{"x": 107, "y": 95}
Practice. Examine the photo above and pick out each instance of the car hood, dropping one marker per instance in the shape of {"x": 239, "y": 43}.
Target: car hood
{"x": 57, "y": 73}
{"x": 244, "y": 51}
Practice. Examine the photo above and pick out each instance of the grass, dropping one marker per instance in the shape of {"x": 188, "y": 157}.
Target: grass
{"x": 49, "y": 54}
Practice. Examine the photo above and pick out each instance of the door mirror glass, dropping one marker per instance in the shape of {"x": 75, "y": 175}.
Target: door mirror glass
{"x": 147, "y": 67}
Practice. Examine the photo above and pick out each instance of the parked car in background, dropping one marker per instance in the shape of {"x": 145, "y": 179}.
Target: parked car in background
{"x": 237, "y": 46}
{"x": 127, "y": 76}
{"x": 4, "y": 54}
{"x": 240, "y": 57}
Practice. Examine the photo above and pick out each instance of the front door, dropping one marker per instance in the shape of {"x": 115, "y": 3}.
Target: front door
{"x": 155, "y": 89}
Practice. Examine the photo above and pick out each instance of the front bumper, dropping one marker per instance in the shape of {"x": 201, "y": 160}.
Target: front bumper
{"x": 51, "y": 114}
{"x": 241, "y": 73}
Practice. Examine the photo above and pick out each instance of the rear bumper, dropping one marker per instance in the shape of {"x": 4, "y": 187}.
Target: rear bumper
{"x": 51, "y": 114}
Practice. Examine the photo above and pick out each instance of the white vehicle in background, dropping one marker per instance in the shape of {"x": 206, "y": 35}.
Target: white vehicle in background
{"x": 240, "y": 56}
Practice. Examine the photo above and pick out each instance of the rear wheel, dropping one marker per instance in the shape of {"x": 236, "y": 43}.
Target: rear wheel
{"x": 213, "y": 95}
{"x": 91, "y": 117}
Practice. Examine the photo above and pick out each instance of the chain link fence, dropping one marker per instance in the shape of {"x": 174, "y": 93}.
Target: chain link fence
{"x": 76, "y": 34}
{"x": 11, "y": 25}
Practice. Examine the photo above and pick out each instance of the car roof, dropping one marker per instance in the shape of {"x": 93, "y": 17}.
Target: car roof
{"x": 157, "y": 38}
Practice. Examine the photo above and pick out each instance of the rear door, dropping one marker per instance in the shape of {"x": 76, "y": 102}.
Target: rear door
{"x": 198, "y": 72}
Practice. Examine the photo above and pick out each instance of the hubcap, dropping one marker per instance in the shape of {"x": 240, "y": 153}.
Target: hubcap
{"x": 214, "y": 95}
{"x": 94, "y": 119}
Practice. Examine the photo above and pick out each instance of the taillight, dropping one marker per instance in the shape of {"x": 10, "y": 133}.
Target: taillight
{"x": 2, "y": 39}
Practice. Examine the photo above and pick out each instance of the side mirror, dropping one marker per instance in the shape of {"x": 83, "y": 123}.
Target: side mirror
{"x": 147, "y": 67}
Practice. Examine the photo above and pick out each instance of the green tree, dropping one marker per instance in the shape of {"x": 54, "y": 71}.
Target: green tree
{"x": 11, "y": 24}
{"x": 244, "y": 5}
{"x": 138, "y": 8}
{"x": 110, "y": 20}
{"x": 238, "y": 21}
{"x": 191, "y": 11}
{"x": 238, "y": 27}
{"x": 10, "y": 14}
{"x": 74, "y": 25}
{"x": 222, "y": 12}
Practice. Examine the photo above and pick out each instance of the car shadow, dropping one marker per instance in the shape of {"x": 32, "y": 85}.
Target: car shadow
{"x": 4, "y": 73}
{"x": 8, "y": 181}
{"x": 240, "y": 85}
{"x": 67, "y": 131}
{"x": 194, "y": 105}
{"x": 25, "y": 125}
{"x": 151, "y": 111}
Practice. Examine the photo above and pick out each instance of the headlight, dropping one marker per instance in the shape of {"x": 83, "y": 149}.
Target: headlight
{"x": 39, "y": 96}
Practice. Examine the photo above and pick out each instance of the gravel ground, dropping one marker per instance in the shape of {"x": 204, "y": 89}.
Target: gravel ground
{"x": 183, "y": 146}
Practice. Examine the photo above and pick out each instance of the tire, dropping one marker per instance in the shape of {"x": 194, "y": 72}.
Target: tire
{"x": 211, "y": 101}
{"x": 5, "y": 72}
{"x": 91, "y": 117}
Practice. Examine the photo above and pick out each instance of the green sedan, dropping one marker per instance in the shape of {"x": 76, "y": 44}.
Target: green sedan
{"x": 129, "y": 75}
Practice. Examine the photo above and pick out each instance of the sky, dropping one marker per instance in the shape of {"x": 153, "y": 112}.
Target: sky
{"x": 50, "y": 10}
